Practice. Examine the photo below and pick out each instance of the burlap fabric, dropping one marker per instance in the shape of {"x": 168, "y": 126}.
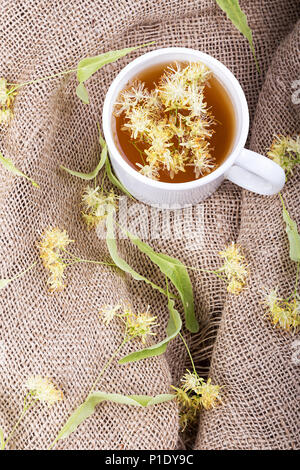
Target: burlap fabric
{"x": 257, "y": 363}
{"x": 61, "y": 335}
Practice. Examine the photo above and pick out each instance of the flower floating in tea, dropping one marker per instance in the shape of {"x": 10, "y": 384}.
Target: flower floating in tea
{"x": 171, "y": 125}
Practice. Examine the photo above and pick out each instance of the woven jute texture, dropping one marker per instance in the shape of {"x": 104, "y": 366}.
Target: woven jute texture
{"x": 61, "y": 335}
{"x": 257, "y": 363}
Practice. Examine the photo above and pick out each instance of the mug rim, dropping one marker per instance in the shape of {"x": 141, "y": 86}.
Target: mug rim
{"x": 228, "y": 80}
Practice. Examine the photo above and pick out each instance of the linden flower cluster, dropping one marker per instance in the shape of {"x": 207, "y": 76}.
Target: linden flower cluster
{"x": 283, "y": 313}
{"x": 96, "y": 205}
{"x": 234, "y": 268}
{"x": 137, "y": 325}
{"x": 194, "y": 395}
{"x": 285, "y": 151}
{"x": 42, "y": 389}
{"x": 171, "y": 123}
{"x": 6, "y": 100}
{"x": 53, "y": 243}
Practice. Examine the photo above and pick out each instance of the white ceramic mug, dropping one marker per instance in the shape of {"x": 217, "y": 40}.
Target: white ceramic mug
{"x": 243, "y": 167}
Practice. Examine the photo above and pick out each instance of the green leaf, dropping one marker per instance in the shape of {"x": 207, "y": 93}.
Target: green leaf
{"x": 114, "y": 180}
{"x": 2, "y": 443}
{"x": 9, "y": 166}
{"x": 94, "y": 173}
{"x": 173, "y": 328}
{"x": 292, "y": 233}
{"x": 82, "y": 93}
{"x": 87, "y": 408}
{"x": 88, "y": 66}
{"x": 121, "y": 263}
{"x": 4, "y": 283}
{"x": 239, "y": 19}
{"x": 178, "y": 275}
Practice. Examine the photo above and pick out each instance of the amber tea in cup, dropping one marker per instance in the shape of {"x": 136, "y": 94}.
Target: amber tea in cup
{"x": 174, "y": 122}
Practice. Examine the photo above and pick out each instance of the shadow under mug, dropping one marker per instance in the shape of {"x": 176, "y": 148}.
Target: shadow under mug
{"x": 243, "y": 167}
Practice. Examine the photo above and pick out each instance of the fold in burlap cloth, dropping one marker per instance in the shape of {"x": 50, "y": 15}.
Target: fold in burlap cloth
{"x": 61, "y": 335}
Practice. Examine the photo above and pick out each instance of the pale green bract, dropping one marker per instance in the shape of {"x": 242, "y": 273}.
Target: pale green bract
{"x": 94, "y": 173}
{"x": 114, "y": 180}
{"x": 120, "y": 262}
{"x": 103, "y": 160}
{"x": 82, "y": 93}
{"x": 4, "y": 283}
{"x": 178, "y": 275}
{"x": 292, "y": 233}
{"x": 88, "y": 66}
{"x": 87, "y": 408}
{"x": 173, "y": 328}
{"x": 2, "y": 443}
{"x": 9, "y": 166}
{"x": 239, "y": 19}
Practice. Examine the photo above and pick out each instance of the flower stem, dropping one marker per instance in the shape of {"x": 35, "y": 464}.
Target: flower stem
{"x": 107, "y": 365}
{"x": 26, "y": 407}
{"x": 140, "y": 152}
{"x": 32, "y": 82}
{"x": 297, "y": 280}
{"x": 80, "y": 260}
{"x": 25, "y": 271}
{"x": 189, "y": 353}
{"x": 206, "y": 271}
{"x": 98, "y": 378}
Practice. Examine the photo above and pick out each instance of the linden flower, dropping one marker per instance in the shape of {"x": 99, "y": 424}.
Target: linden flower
{"x": 139, "y": 121}
{"x": 6, "y": 100}
{"x": 195, "y": 101}
{"x": 202, "y": 159}
{"x": 172, "y": 91}
{"x": 159, "y": 137}
{"x": 196, "y": 72}
{"x": 283, "y": 313}
{"x": 5, "y": 116}
{"x": 6, "y": 96}
{"x": 149, "y": 171}
{"x": 177, "y": 125}
{"x": 43, "y": 390}
{"x": 140, "y": 324}
{"x": 109, "y": 312}
{"x": 234, "y": 268}
{"x": 172, "y": 122}
{"x": 235, "y": 286}
{"x": 177, "y": 163}
{"x": 131, "y": 97}
{"x": 189, "y": 408}
{"x": 153, "y": 103}
{"x": 97, "y": 205}
{"x": 194, "y": 395}
{"x": 271, "y": 299}
{"x": 199, "y": 127}
{"x": 210, "y": 395}
{"x": 54, "y": 241}
{"x": 285, "y": 151}
{"x": 55, "y": 238}
{"x": 191, "y": 381}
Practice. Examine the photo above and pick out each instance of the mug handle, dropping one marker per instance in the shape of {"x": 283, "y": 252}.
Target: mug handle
{"x": 256, "y": 173}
